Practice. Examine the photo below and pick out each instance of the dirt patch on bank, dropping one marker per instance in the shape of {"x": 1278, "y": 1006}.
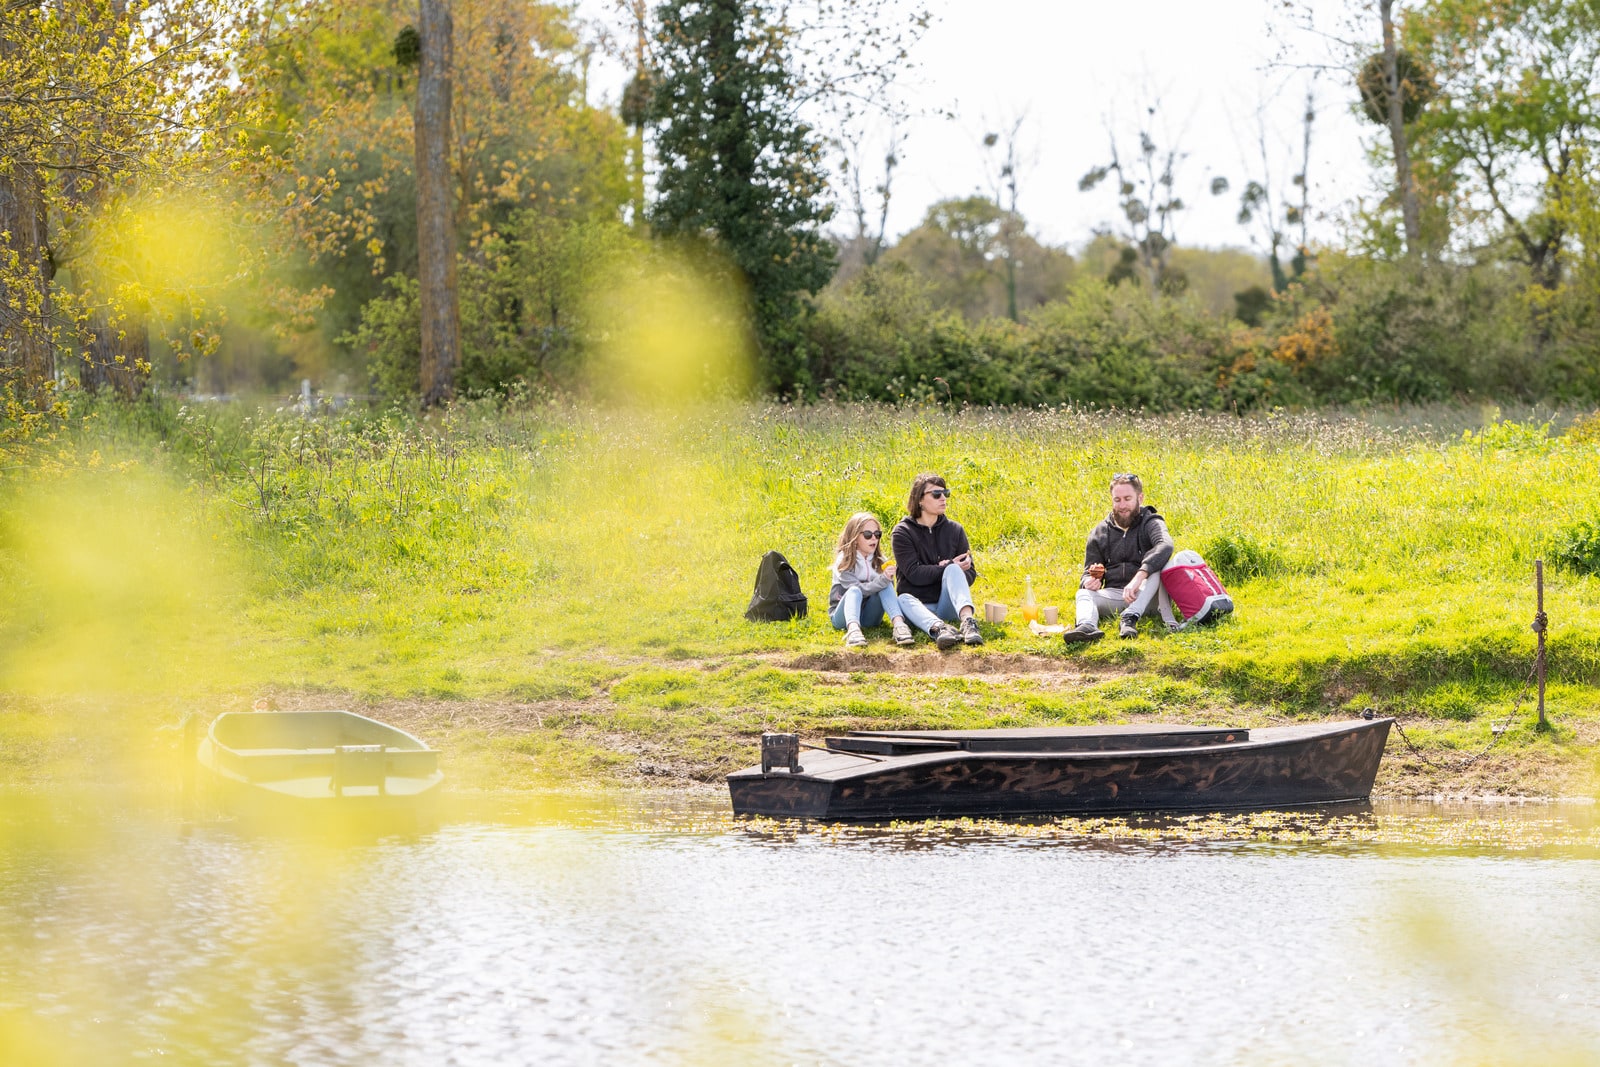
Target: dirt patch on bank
{"x": 1568, "y": 770}
{"x": 434, "y": 716}
{"x": 586, "y": 723}
{"x": 996, "y": 667}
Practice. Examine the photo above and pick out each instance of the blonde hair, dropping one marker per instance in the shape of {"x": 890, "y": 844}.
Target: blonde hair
{"x": 844, "y": 554}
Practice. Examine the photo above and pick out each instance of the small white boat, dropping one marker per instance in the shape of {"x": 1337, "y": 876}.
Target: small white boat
{"x": 317, "y": 760}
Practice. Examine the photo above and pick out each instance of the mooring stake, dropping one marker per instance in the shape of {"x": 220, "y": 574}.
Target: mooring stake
{"x": 1540, "y": 625}
{"x": 1497, "y": 730}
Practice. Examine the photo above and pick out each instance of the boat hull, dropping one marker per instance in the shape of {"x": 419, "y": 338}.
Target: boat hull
{"x": 1275, "y": 767}
{"x": 317, "y": 762}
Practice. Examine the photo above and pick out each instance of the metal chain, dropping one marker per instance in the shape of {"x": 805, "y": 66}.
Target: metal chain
{"x": 1497, "y": 730}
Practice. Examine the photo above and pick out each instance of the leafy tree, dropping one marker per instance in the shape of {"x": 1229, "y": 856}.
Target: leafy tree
{"x": 524, "y": 308}
{"x": 1568, "y": 316}
{"x": 1215, "y": 276}
{"x": 1251, "y": 304}
{"x": 869, "y": 239}
{"x": 336, "y": 171}
{"x": 737, "y": 167}
{"x": 1211, "y": 277}
{"x": 1148, "y": 198}
{"x": 1516, "y": 112}
{"x": 1003, "y": 183}
{"x": 1270, "y": 214}
{"x": 961, "y": 251}
{"x": 102, "y": 101}
{"x": 1394, "y": 86}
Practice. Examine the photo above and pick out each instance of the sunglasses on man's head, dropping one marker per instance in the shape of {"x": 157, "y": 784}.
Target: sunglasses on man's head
{"x": 938, "y": 494}
{"x": 874, "y": 534}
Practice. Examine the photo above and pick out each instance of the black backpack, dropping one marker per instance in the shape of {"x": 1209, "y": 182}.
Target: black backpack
{"x": 778, "y": 594}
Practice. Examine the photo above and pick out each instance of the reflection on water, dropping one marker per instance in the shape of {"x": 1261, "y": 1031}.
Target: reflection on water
{"x": 617, "y": 929}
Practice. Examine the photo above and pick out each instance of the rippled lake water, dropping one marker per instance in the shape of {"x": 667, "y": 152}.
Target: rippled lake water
{"x": 657, "y": 929}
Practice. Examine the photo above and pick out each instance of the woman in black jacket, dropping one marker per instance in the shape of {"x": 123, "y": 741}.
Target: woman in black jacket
{"x": 934, "y": 565}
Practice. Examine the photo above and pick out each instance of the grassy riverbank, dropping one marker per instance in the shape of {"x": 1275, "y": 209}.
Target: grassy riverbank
{"x": 553, "y": 595}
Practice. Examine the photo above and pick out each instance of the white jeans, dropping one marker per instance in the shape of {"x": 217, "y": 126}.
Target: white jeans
{"x": 1096, "y": 604}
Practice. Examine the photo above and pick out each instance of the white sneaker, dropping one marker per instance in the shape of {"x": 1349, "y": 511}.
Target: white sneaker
{"x": 853, "y": 637}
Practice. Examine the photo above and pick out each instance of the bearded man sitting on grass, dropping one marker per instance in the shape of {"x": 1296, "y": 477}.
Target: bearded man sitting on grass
{"x": 1121, "y": 564}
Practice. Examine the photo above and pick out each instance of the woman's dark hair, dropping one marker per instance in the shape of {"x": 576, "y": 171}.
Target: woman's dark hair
{"x": 919, "y": 487}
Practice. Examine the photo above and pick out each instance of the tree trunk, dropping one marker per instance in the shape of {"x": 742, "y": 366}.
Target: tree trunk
{"x": 1410, "y": 213}
{"x": 436, "y": 244}
{"x": 636, "y": 147}
{"x": 25, "y": 347}
{"x": 117, "y": 356}
{"x": 1011, "y": 288}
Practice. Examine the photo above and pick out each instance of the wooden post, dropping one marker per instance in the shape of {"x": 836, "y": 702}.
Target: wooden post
{"x": 1539, "y": 624}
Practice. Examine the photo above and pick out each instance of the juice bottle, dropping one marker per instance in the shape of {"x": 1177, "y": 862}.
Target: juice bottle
{"x": 1030, "y": 607}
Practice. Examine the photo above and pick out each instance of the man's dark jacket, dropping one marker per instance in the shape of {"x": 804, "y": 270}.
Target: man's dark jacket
{"x": 917, "y": 552}
{"x": 1144, "y": 544}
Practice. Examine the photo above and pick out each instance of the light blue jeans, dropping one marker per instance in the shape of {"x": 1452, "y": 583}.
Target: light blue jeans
{"x": 865, "y": 611}
{"x": 954, "y": 594}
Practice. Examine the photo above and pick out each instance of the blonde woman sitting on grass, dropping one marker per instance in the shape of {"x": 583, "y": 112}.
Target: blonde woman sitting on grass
{"x": 863, "y": 588}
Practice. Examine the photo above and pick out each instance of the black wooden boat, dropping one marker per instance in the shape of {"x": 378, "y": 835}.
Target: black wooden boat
{"x": 884, "y": 774}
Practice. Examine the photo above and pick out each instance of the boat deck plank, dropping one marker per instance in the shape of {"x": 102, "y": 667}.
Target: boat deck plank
{"x": 1025, "y": 733}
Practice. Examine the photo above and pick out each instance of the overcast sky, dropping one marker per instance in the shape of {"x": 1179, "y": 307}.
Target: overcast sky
{"x": 1070, "y": 67}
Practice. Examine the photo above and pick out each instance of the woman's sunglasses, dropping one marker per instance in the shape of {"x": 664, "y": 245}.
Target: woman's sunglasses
{"x": 874, "y": 534}
{"x": 938, "y": 494}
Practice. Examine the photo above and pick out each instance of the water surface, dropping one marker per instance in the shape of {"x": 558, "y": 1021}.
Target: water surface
{"x": 657, "y": 929}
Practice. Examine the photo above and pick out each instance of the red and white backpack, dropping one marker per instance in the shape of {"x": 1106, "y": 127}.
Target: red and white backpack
{"x": 1188, "y": 583}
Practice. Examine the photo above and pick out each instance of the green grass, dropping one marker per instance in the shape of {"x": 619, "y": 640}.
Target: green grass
{"x": 594, "y": 566}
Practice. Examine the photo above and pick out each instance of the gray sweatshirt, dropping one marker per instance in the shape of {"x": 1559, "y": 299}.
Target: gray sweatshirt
{"x": 861, "y": 575}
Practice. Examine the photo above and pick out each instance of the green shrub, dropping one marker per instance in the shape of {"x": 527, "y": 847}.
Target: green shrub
{"x": 1354, "y": 331}
{"x": 1507, "y": 435}
{"x": 1577, "y": 547}
{"x": 1409, "y": 333}
{"x": 882, "y": 338}
{"x": 523, "y": 294}
{"x": 1585, "y": 429}
{"x": 1237, "y": 558}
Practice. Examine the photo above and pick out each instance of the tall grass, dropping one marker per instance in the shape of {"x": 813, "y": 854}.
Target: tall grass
{"x": 602, "y": 558}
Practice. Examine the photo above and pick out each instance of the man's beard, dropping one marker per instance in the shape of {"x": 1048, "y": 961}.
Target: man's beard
{"x": 1125, "y": 518}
